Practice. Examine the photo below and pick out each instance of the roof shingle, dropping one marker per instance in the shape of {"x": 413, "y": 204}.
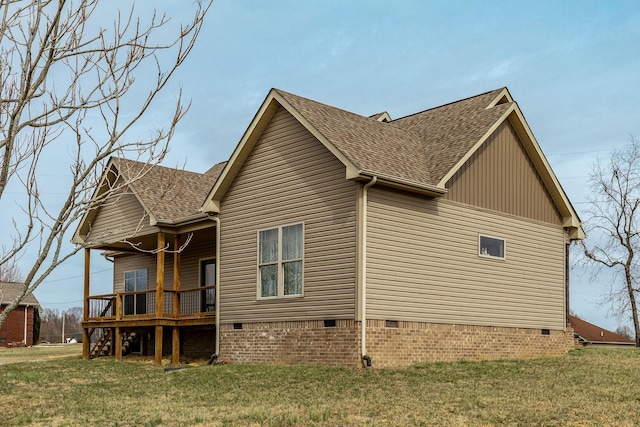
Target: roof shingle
{"x": 9, "y": 291}
{"x": 419, "y": 148}
{"x": 170, "y": 194}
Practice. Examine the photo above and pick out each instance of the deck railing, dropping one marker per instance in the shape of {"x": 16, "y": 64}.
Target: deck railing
{"x": 195, "y": 302}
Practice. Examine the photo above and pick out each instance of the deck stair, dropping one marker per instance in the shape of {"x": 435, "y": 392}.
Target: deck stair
{"x": 128, "y": 342}
{"x": 103, "y": 346}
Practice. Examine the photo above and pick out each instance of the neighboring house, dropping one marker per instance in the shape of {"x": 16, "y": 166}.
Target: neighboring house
{"x": 444, "y": 233}
{"x": 587, "y": 333}
{"x": 17, "y": 329}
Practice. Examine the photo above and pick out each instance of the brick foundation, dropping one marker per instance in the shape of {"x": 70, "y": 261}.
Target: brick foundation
{"x": 414, "y": 342}
{"x": 304, "y": 342}
{"x": 404, "y": 344}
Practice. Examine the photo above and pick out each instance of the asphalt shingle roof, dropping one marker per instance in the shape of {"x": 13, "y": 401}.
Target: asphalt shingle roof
{"x": 170, "y": 194}
{"x": 421, "y": 148}
{"x": 9, "y": 291}
{"x": 594, "y": 333}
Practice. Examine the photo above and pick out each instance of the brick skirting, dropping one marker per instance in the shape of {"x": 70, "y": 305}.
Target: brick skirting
{"x": 413, "y": 342}
{"x": 391, "y": 344}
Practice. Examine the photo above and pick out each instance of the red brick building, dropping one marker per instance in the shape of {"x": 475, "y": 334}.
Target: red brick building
{"x": 17, "y": 329}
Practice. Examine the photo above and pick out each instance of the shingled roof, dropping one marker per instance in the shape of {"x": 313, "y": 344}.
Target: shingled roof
{"x": 593, "y": 334}
{"x": 169, "y": 194}
{"x": 9, "y": 291}
{"x": 380, "y": 148}
{"x": 417, "y": 153}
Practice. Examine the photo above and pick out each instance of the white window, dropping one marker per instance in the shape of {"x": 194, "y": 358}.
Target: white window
{"x": 280, "y": 261}
{"x": 492, "y": 247}
{"x": 135, "y": 299}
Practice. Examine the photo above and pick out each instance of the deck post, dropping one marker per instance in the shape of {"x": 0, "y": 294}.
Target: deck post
{"x": 85, "y": 308}
{"x": 117, "y": 340}
{"x": 158, "y": 349}
{"x": 175, "y": 347}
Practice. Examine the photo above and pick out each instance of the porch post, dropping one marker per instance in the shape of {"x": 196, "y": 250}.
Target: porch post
{"x": 160, "y": 275}
{"x": 85, "y": 307}
{"x": 117, "y": 340}
{"x": 159, "y": 296}
{"x": 175, "y": 347}
{"x": 176, "y": 276}
{"x": 158, "y": 349}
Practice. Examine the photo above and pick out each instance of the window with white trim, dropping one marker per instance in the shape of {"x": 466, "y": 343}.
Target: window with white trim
{"x": 135, "y": 299}
{"x": 491, "y": 247}
{"x": 280, "y": 261}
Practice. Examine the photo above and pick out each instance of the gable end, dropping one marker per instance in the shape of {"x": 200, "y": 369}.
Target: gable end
{"x": 500, "y": 176}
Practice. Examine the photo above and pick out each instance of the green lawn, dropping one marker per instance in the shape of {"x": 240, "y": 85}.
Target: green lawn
{"x": 588, "y": 387}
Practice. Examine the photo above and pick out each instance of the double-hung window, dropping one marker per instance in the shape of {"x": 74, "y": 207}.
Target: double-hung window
{"x": 280, "y": 261}
{"x": 135, "y": 299}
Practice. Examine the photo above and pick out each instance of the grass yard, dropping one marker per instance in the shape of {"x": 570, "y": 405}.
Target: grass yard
{"x": 587, "y": 387}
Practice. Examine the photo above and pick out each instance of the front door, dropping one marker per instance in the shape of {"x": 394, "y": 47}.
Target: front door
{"x": 208, "y": 278}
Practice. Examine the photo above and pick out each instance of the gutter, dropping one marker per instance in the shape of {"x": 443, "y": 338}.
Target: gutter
{"x": 363, "y": 274}
{"x": 403, "y": 184}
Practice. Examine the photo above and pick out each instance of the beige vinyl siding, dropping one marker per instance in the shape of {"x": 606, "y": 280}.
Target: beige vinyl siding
{"x": 500, "y": 177}
{"x": 198, "y": 250}
{"x": 423, "y": 265}
{"x": 118, "y": 218}
{"x": 289, "y": 177}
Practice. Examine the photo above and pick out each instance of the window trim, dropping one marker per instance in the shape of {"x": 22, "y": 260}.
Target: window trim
{"x": 135, "y": 289}
{"x": 280, "y": 264}
{"x": 488, "y": 256}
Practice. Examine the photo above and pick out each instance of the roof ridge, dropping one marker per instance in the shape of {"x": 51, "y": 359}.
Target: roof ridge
{"x": 450, "y": 103}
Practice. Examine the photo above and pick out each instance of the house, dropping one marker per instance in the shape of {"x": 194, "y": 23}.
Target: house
{"x": 18, "y": 327}
{"x": 345, "y": 240}
{"x": 587, "y": 333}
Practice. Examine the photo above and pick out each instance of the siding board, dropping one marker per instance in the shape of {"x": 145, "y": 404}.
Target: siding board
{"x": 289, "y": 177}
{"x": 423, "y": 265}
{"x": 501, "y": 177}
{"x": 118, "y": 218}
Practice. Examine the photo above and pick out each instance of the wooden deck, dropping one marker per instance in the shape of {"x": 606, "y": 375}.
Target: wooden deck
{"x": 112, "y": 314}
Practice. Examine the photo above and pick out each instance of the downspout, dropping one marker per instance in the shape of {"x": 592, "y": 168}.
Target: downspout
{"x": 363, "y": 274}
{"x": 217, "y": 346}
{"x": 26, "y": 310}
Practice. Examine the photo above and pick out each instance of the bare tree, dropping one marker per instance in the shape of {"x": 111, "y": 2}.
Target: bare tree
{"x": 74, "y": 88}
{"x": 613, "y": 224}
{"x": 625, "y": 331}
{"x": 10, "y": 272}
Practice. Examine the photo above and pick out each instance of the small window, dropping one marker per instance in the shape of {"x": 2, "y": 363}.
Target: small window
{"x": 280, "y": 261}
{"x": 330, "y": 323}
{"x": 491, "y": 247}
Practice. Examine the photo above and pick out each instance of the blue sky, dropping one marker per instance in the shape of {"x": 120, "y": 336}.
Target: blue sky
{"x": 572, "y": 66}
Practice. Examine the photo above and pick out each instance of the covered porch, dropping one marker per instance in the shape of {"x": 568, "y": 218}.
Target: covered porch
{"x": 183, "y": 296}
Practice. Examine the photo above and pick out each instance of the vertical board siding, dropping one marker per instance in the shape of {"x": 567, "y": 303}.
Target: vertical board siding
{"x": 423, "y": 265}
{"x": 500, "y": 177}
{"x": 118, "y": 218}
{"x": 197, "y": 250}
{"x": 289, "y": 177}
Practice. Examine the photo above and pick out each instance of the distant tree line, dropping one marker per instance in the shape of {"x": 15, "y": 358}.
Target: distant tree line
{"x": 53, "y": 322}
